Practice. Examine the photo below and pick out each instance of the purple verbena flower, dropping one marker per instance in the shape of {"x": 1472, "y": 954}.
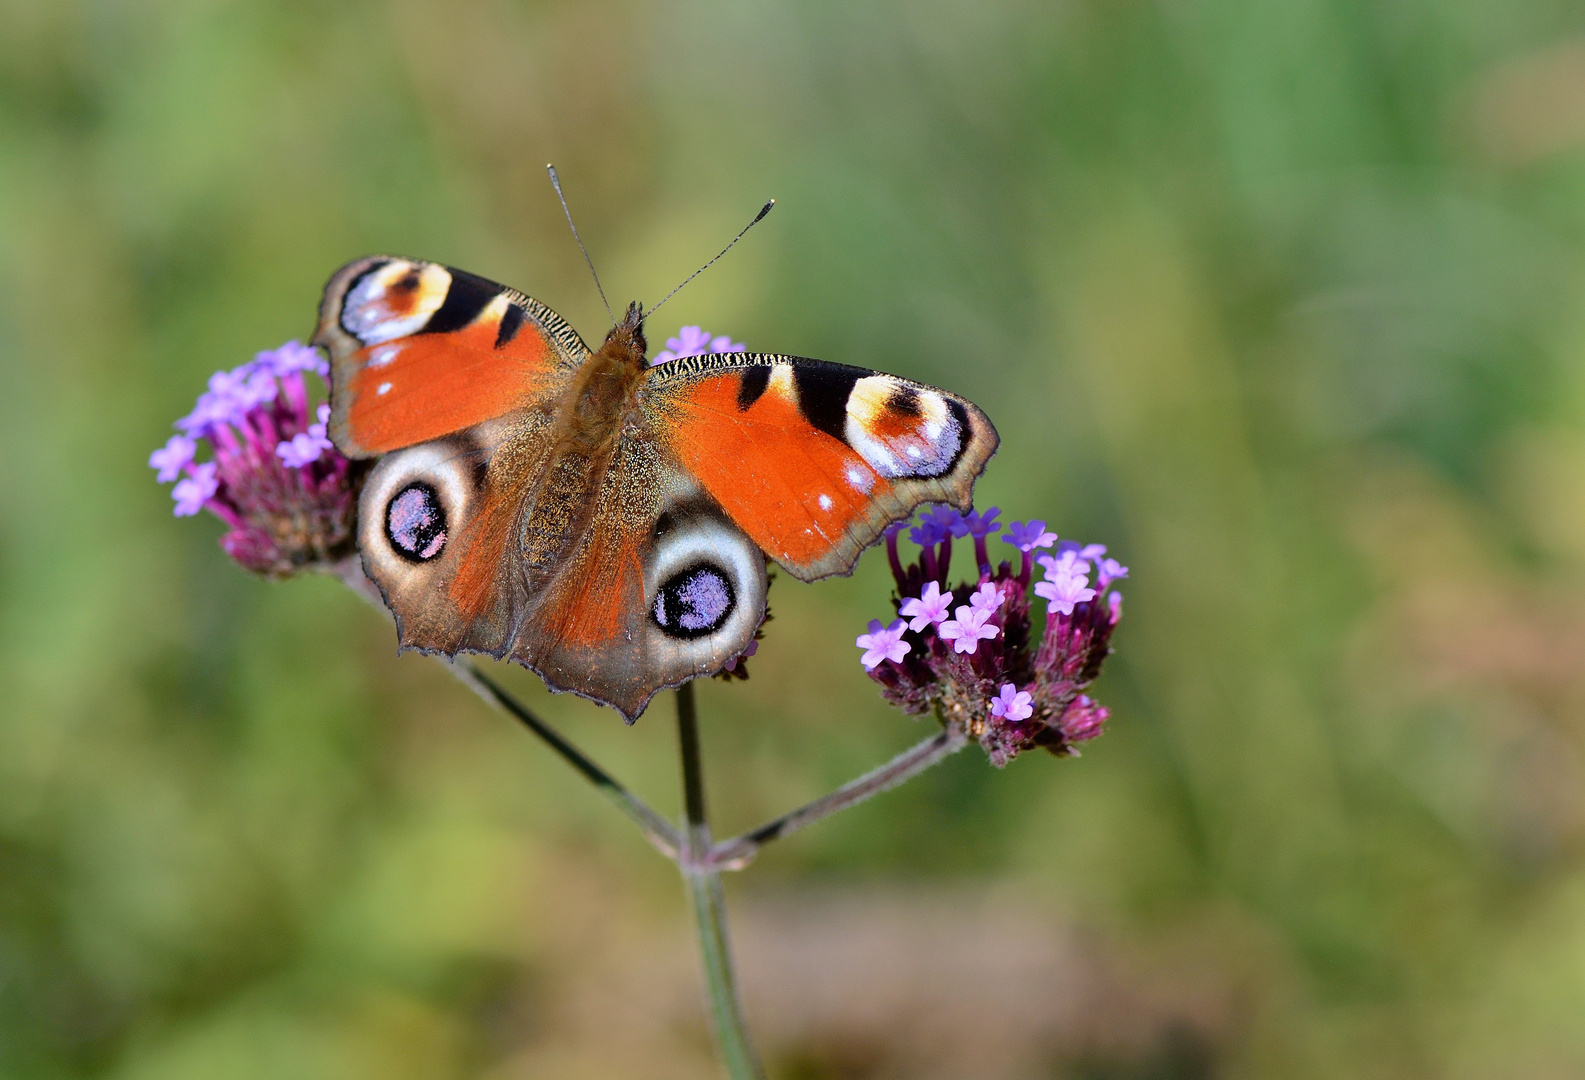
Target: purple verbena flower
{"x": 197, "y": 488}
{"x": 927, "y": 532}
{"x": 1027, "y": 538}
{"x": 694, "y": 341}
{"x": 978, "y": 525}
{"x": 882, "y": 644}
{"x": 1067, "y": 562}
{"x": 301, "y": 449}
{"x": 1110, "y": 570}
{"x": 967, "y": 630}
{"x": 1013, "y": 704}
{"x": 927, "y": 609}
{"x": 946, "y": 518}
{"x": 968, "y": 669}
{"x": 750, "y": 650}
{"x": 171, "y": 458}
{"x": 293, "y": 356}
{"x": 1067, "y": 582}
{"x": 306, "y": 446}
{"x": 287, "y": 495}
{"x": 987, "y": 599}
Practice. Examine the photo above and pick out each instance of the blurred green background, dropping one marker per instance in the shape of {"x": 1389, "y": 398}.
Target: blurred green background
{"x": 1282, "y": 299}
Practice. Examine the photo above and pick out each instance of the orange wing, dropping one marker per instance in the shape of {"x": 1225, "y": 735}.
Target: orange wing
{"x": 419, "y": 350}
{"x": 813, "y": 460}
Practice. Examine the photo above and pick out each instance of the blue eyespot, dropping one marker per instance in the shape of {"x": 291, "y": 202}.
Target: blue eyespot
{"x": 694, "y": 602}
{"x": 415, "y": 523}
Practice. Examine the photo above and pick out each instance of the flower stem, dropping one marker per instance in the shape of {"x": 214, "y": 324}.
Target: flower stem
{"x": 738, "y": 852}
{"x": 656, "y": 829}
{"x": 709, "y": 905}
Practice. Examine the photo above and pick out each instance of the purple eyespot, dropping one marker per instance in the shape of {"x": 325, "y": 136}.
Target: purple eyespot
{"x": 415, "y": 523}
{"x": 695, "y": 602}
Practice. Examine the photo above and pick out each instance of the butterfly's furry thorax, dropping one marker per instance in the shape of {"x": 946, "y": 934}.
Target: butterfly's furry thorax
{"x": 603, "y": 397}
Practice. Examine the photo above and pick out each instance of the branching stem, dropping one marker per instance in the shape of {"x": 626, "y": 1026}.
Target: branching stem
{"x": 700, "y": 860}
{"x": 656, "y": 829}
{"x": 738, "y": 852}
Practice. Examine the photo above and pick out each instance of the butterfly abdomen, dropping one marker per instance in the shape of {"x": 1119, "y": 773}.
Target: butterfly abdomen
{"x": 559, "y": 511}
{"x": 592, "y": 415}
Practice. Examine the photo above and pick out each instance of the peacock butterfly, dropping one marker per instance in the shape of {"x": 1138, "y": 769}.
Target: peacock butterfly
{"x": 600, "y": 520}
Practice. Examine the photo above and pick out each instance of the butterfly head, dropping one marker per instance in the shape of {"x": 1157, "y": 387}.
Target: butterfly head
{"x": 626, "y": 339}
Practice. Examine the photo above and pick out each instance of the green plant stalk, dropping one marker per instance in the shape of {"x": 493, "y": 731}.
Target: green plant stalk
{"x": 709, "y": 905}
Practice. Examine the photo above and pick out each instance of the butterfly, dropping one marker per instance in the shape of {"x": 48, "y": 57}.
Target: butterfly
{"x": 599, "y": 520}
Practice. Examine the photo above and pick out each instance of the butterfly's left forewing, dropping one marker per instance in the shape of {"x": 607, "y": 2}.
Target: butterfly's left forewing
{"x": 419, "y": 351}
{"x": 813, "y": 460}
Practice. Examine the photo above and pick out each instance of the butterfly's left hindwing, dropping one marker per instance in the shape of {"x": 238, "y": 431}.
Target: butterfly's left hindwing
{"x": 813, "y": 460}
{"x": 656, "y": 587}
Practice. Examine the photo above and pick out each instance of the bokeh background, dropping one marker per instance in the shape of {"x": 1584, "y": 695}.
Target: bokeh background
{"x": 1282, "y": 299}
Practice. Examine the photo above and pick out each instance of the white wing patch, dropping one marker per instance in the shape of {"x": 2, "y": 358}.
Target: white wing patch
{"x": 901, "y": 430}
{"x": 394, "y": 301}
{"x": 861, "y": 480}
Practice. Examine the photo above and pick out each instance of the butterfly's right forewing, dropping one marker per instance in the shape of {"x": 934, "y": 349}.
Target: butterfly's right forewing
{"x": 811, "y": 459}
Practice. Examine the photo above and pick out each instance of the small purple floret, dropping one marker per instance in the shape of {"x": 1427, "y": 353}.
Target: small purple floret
{"x": 1067, "y": 582}
{"x": 196, "y": 489}
{"x": 293, "y": 356}
{"x": 694, "y": 341}
{"x": 1027, "y": 538}
{"x": 946, "y": 518}
{"x": 305, "y": 447}
{"x": 171, "y": 458}
{"x": 733, "y": 664}
{"x": 302, "y": 449}
{"x": 987, "y": 598}
{"x": 976, "y": 524}
{"x": 1013, "y": 704}
{"x": 927, "y": 609}
{"x": 968, "y": 630}
{"x": 882, "y": 644}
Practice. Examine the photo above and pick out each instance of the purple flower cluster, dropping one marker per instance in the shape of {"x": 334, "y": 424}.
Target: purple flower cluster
{"x": 966, "y": 652}
{"x": 692, "y": 341}
{"x": 287, "y": 494}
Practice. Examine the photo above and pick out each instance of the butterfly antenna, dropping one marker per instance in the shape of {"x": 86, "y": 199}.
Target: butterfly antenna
{"x": 757, "y": 219}
{"x": 555, "y": 182}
